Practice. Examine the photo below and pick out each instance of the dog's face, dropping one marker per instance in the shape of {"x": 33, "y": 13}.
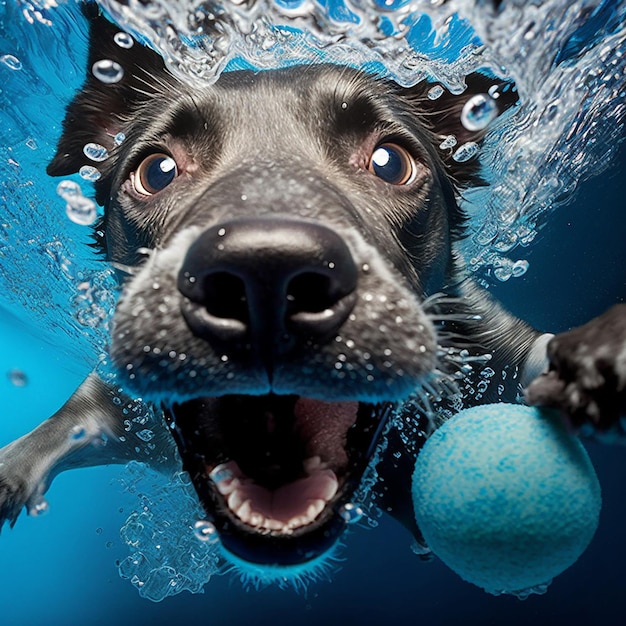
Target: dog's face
{"x": 281, "y": 230}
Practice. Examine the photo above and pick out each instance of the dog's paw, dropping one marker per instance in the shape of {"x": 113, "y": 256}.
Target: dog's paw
{"x": 586, "y": 378}
{"x": 12, "y": 500}
{"x": 18, "y": 488}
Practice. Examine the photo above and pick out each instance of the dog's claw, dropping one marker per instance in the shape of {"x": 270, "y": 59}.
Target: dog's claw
{"x": 587, "y": 374}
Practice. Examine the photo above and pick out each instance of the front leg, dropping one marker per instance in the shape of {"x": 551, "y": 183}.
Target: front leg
{"x": 94, "y": 427}
{"x": 586, "y": 378}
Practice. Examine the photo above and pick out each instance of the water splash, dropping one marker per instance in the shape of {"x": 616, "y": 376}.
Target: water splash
{"x": 167, "y": 555}
{"x": 571, "y": 81}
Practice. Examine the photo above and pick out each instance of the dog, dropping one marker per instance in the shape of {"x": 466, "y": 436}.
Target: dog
{"x": 292, "y": 295}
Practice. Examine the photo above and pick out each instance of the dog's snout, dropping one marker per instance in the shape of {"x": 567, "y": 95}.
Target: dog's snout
{"x": 268, "y": 283}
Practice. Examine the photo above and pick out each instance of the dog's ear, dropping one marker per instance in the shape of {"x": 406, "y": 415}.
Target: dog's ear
{"x": 462, "y": 120}
{"x": 95, "y": 114}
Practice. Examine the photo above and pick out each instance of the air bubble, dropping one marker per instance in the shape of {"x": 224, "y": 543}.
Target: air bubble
{"x": 12, "y": 62}
{"x": 107, "y": 71}
{"x": 82, "y": 211}
{"x": 479, "y": 111}
{"x": 205, "y": 531}
{"x": 519, "y": 268}
{"x": 465, "y": 152}
{"x": 351, "y": 513}
{"x": 79, "y": 209}
{"x": 494, "y": 91}
{"x": 145, "y": 435}
{"x": 38, "y": 509}
{"x": 88, "y": 172}
{"x": 78, "y": 433}
{"x": 435, "y": 92}
{"x": 123, "y": 40}
{"x": 18, "y": 378}
{"x": 449, "y": 142}
{"x": 95, "y": 152}
{"x": 68, "y": 190}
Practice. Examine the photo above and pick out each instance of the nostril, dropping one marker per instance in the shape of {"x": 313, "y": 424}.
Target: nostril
{"x": 224, "y": 296}
{"x": 317, "y": 305}
{"x": 309, "y": 292}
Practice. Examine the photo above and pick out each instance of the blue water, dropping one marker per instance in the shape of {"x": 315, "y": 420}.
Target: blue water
{"x": 60, "y": 570}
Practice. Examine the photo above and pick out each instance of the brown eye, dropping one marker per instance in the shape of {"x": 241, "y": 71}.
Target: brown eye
{"x": 154, "y": 174}
{"x": 392, "y": 163}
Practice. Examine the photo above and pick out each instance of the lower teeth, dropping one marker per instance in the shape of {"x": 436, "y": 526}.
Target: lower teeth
{"x": 285, "y": 509}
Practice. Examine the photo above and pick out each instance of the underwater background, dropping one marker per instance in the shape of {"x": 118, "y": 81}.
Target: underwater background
{"x": 62, "y": 569}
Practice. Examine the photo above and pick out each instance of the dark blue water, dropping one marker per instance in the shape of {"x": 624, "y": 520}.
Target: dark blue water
{"x": 60, "y": 570}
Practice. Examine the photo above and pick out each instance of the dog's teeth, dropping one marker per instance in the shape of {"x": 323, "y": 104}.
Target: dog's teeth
{"x": 273, "y": 524}
{"x": 256, "y": 520}
{"x": 244, "y": 511}
{"x": 235, "y": 501}
{"x": 315, "y": 508}
{"x": 228, "y": 487}
{"x": 224, "y": 478}
{"x": 312, "y": 464}
{"x": 297, "y": 522}
{"x": 329, "y": 485}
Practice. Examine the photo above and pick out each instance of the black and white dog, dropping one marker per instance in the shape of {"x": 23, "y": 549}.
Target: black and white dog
{"x": 284, "y": 239}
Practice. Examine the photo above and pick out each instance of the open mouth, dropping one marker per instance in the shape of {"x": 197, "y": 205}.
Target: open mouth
{"x": 274, "y": 473}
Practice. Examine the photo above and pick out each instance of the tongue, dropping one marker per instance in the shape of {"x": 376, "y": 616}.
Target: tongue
{"x": 324, "y": 426}
{"x": 286, "y": 508}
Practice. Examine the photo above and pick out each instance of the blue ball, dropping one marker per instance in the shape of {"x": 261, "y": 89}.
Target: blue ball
{"x": 506, "y": 497}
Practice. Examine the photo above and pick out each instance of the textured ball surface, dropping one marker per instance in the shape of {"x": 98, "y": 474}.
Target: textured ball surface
{"x": 506, "y": 496}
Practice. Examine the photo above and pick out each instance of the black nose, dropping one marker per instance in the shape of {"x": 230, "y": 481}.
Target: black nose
{"x": 267, "y": 284}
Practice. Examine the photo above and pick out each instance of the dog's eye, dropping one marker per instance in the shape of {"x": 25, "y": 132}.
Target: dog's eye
{"x": 154, "y": 173}
{"x": 392, "y": 163}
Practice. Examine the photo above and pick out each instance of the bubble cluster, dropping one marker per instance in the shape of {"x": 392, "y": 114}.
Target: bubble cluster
{"x": 171, "y": 550}
{"x": 94, "y": 299}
